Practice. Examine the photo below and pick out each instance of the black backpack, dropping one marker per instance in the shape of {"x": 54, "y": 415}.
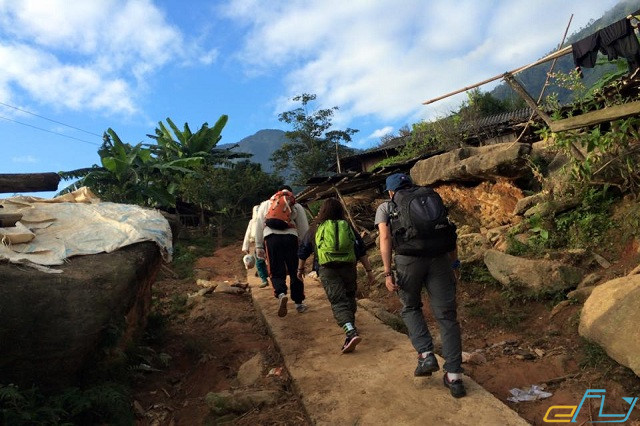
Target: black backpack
{"x": 420, "y": 224}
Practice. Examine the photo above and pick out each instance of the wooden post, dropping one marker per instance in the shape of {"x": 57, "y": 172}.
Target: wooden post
{"x": 346, "y": 209}
{"x": 517, "y": 87}
{"x": 29, "y": 182}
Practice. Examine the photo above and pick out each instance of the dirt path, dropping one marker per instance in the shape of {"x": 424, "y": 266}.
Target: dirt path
{"x": 206, "y": 341}
{"x": 373, "y": 385}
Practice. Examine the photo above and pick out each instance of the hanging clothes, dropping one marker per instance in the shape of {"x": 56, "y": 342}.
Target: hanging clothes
{"x": 585, "y": 51}
{"x": 618, "y": 40}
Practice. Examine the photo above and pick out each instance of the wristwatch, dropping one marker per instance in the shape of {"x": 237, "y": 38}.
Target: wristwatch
{"x": 455, "y": 264}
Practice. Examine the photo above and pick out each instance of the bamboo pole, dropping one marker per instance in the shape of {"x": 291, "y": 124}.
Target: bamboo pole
{"x": 546, "y": 80}
{"x": 547, "y": 58}
{"x": 346, "y": 209}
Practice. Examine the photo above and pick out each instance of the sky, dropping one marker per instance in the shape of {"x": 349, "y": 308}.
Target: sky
{"x": 72, "y": 69}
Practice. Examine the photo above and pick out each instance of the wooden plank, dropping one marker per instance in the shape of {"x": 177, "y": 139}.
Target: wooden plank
{"x": 596, "y": 117}
{"x": 29, "y": 182}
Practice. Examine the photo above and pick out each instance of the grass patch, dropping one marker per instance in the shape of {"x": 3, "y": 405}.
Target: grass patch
{"x": 478, "y": 273}
{"x": 106, "y": 403}
{"x": 594, "y": 356}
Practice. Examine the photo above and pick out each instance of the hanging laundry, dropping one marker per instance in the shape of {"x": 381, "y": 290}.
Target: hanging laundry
{"x": 585, "y": 51}
{"x": 618, "y": 40}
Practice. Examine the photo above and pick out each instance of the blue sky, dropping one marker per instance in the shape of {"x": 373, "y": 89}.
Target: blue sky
{"x": 126, "y": 65}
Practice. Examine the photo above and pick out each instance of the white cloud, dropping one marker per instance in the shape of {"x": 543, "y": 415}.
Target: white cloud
{"x": 89, "y": 54}
{"x": 384, "y": 58}
{"x": 380, "y": 132}
{"x": 25, "y": 159}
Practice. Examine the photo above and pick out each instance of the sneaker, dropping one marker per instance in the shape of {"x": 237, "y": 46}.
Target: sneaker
{"x": 426, "y": 365}
{"x": 456, "y": 387}
{"x": 301, "y": 307}
{"x": 282, "y": 305}
{"x": 264, "y": 284}
{"x": 350, "y": 343}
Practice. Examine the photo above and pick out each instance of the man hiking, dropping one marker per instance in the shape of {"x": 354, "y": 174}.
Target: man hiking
{"x": 279, "y": 223}
{"x": 414, "y": 225}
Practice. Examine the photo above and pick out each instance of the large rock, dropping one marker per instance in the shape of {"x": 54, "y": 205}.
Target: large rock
{"x": 471, "y": 164}
{"x": 535, "y": 274}
{"x": 53, "y": 326}
{"x": 610, "y": 318}
{"x": 471, "y": 247}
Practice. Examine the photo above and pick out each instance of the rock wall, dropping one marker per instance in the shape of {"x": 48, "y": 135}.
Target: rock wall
{"x": 53, "y": 326}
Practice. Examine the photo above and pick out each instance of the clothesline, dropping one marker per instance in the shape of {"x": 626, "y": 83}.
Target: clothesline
{"x": 561, "y": 52}
{"x": 558, "y": 53}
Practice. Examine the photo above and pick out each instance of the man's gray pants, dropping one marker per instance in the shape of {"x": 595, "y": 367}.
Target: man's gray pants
{"x": 436, "y": 276}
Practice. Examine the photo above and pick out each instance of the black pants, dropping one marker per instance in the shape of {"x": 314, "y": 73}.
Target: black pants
{"x": 282, "y": 259}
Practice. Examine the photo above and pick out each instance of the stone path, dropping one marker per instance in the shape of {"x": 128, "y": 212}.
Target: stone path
{"x": 373, "y": 385}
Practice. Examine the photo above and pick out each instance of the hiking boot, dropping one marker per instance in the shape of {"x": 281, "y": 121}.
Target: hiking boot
{"x": 456, "y": 387}
{"x": 351, "y": 342}
{"x": 282, "y": 305}
{"x": 426, "y": 365}
{"x": 301, "y": 307}
{"x": 264, "y": 284}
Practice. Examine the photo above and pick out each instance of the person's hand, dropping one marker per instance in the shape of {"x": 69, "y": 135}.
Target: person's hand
{"x": 260, "y": 253}
{"x": 301, "y": 274}
{"x": 456, "y": 274}
{"x": 390, "y": 283}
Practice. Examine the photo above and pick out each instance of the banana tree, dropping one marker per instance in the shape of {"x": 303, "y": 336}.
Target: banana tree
{"x": 176, "y": 144}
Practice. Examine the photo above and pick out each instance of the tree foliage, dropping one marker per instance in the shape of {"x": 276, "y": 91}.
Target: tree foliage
{"x": 311, "y": 149}
{"x": 181, "y": 165}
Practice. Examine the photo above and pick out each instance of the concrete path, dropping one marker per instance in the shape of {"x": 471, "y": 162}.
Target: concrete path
{"x": 374, "y": 385}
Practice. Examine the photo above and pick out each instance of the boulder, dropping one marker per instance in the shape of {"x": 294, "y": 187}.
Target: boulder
{"x": 526, "y": 203}
{"x": 53, "y": 326}
{"x": 610, "y": 318}
{"x": 251, "y": 371}
{"x": 240, "y": 401}
{"x": 471, "y": 247}
{"x": 535, "y": 274}
{"x": 473, "y": 164}
{"x": 552, "y": 207}
{"x": 580, "y": 294}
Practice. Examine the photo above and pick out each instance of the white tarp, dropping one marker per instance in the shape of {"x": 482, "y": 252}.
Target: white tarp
{"x": 77, "y": 224}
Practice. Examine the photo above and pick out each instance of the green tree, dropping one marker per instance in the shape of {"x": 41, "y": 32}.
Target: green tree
{"x": 132, "y": 174}
{"x": 186, "y": 144}
{"x": 312, "y": 146}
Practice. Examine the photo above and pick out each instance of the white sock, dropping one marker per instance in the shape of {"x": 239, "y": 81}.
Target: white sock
{"x": 454, "y": 376}
{"x": 425, "y": 354}
{"x": 347, "y": 327}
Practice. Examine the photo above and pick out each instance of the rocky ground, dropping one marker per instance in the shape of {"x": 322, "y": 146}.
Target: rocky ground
{"x": 512, "y": 344}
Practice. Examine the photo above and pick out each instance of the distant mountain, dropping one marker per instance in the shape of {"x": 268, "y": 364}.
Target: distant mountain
{"x": 261, "y": 144}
